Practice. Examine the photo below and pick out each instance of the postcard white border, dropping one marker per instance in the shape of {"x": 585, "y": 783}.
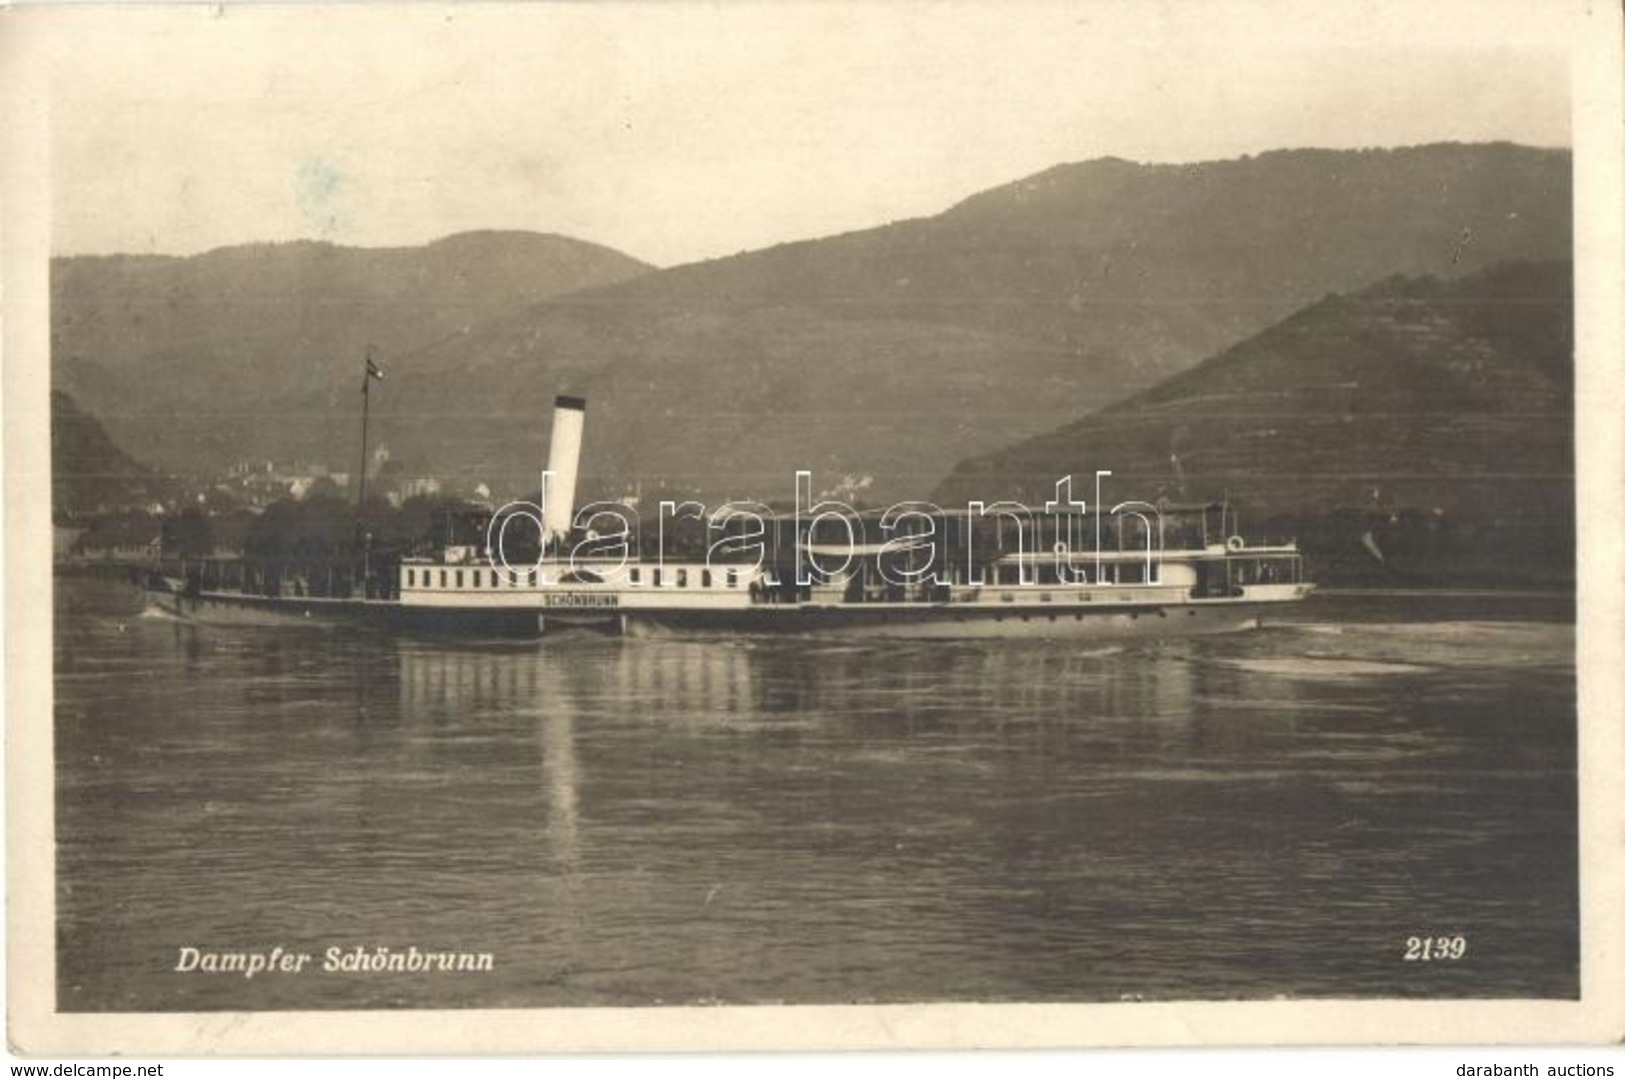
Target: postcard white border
{"x": 36, "y": 1028}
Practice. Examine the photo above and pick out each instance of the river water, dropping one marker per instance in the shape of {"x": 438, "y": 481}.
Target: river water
{"x": 1260, "y": 815}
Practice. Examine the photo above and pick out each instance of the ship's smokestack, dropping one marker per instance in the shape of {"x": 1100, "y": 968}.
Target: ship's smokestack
{"x": 564, "y": 460}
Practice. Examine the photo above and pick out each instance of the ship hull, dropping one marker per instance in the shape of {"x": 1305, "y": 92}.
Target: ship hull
{"x": 231, "y": 609}
{"x": 945, "y": 624}
{"x": 907, "y": 621}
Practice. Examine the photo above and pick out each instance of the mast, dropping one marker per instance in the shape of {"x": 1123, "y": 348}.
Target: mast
{"x": 369, "y": 372}
{"x": 367, "y": 375}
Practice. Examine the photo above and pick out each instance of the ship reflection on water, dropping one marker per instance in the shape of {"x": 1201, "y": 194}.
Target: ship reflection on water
{"x": 641, "y": 822}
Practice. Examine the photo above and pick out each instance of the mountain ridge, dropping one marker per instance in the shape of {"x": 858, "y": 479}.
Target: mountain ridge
{"x": 89, "y": 472}
{"x": 894, "y": 351}
{"x": 969, "y": 321}
{"x": 1436, "y": 413}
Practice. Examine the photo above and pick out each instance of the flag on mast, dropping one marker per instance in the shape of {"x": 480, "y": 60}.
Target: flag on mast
{"x": 373, "y": 370}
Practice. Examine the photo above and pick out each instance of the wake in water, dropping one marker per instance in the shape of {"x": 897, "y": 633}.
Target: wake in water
{"x": 1381, "y": 648}
{"x": 1315, "y": 667}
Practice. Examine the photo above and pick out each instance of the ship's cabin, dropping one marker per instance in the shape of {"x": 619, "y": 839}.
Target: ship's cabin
{"x": 935, "y": 555}
{"x": 911, "y": 554}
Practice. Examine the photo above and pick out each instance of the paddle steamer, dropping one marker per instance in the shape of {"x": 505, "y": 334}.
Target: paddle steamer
{"x": 1067, "y": 569}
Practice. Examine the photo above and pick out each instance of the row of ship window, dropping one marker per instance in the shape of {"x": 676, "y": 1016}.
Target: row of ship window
{"x": 1004, "y": 575}
{"x": 1045, "y": 574}
{"x": 477, "y": 578}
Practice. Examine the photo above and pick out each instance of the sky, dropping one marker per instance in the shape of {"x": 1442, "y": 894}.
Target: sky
{"x": 683, "y": 131}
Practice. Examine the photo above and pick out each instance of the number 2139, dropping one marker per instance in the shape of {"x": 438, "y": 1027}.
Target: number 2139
{"x": 1432, "y": 949}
